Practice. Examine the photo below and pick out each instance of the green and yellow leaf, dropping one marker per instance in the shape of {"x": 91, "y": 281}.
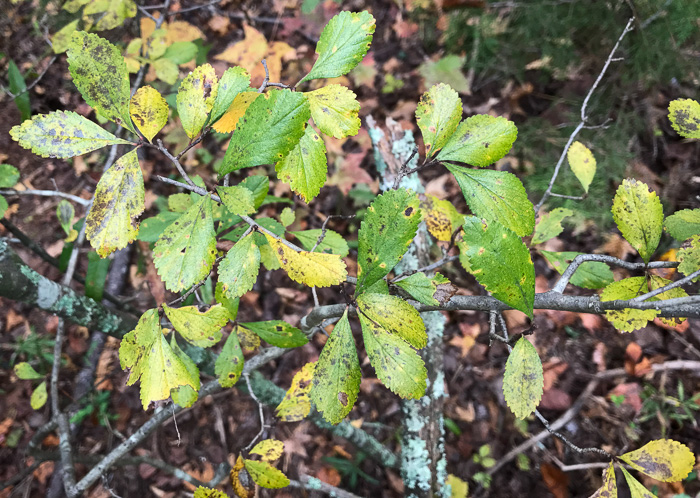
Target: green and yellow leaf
{"x": 149, "y": 111}
{"x": 269, "y": 450}
{"x": 9, "y": 176}
{"x": 663, "y": 459}
{"x": 441, "y": 217}
{"x": 549, "y": 225}
{"x": 296, "y": 404}
{"x": 332, "y": 243}
{"x": 277, "y": 333}
{"x": 202, "y": 492}
{"x": 334, "y": 109}
{"x": 237, "y": 199}
{"x": 590, "y": 275}
{"x": 202, "y": 329}
{"x": 685, "y": 117}
{"x": 25, "y": 371}
{"x": 582, "y": 163}
{"x": 637, "y": 489}
{"x": 185, "y": 396}
{"x": 683, "y": 224}
{"x": 479, "y": 141}
{"x": 234, "y": 81}
{"x": 433, "y": 291}
{"x": 609, "y": 488}
{"x": 689, "y": 257}
{"x": 523, "y": 380}
{"x": 229, "y": 119}
{"x": 229, "y": 363}
{"x": 394, "y": 315}
{"x": 656, "y": 282}
{"x": 309, "y": 268}
{"x": 39, "y": 396}
{"x": 239, "y": 269}
{"x": 305, "y": 167}
{"x": 438, "y": 114}
{"x": 195, "y": 98}
{"x": 639, "y": 216}
{"x": 265, "y": 475}
{"x": 627, "y": 320}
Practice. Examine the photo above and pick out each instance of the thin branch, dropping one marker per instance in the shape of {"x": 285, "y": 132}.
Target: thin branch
{"x": 404, "y": 171}
{"x": 260, "y": 412}
{"x": 48, "y": 193}
{"x": 572, "y": 197}
{"x": 430, "y": 267}
{"x": 584, "y": 116}
{"x": 176, "y": 162}
{"x": 672, "y": 285}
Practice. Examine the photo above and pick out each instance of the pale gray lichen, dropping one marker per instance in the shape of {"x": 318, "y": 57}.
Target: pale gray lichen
{"x": 313, "y": 483}
{"x": 48, "y": 293}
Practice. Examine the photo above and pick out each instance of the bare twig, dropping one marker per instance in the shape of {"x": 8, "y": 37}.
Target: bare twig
{"x": 48, "y": 193}
{"x": 672, "y": 285}
{"x": 176, "y": 162}
{"x": 572, "y": 197}
{"x": 260, "y": 412}
{"x": 425, "y": 269}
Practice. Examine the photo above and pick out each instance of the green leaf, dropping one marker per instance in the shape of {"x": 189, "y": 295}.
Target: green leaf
{"x": 432, "y": 291}
{"x": 239, "y": 269}
{"x": 681, "y": 225}
{"x": 287, "y": 216}
{"x": 229, "y": 363}
{"x": 497, "y": 196}
{"x": 4, "y": 206}
{"x": 265, "y": 475}
{"x": 488, "y": 245}
{"x": 99, "y": 72}
{"x": 25, "y": 371}
{"x": 685, "y": 117}
{"x": 393, "y": 314}
{"x": 396, "y": 364}
{"x": 259, "y": 185}
{"x": 65, "y": 214}
{"x": 237, "y": 199}
{"x": 523, "y": 380}
{"x": 19, "y": 87}
{"x": 277, "y": 333}
{"x": 195, "y": 98}
{"x": 627, "y": 320}
{"x": 344, "y": 42}
{"x": 309, "y": 268}
{"x": 96, "y": 276}
{"x": 181, "y": 52}
{"x": 200, "y": 329}
{"x": 305, "y": 167}
{"x": 447, "y": 70}
{"x": 166, "y": 70}
{"x": 609, "y": 488}
{"x": 185, "y": 252}
{"x": 336, "y": 381}
{"x": 62, "y": 134}
{"x": 334, "y": 109}
{"x": 332, "y": 243}
{"x": 385, "y": 234}
{"x": 663, "y": 459}
{"x": 234, "y": 81}
{"x": 479, "y": 141}
{"x": 230, "y": 304}
{"x": 689, "y": 257}
{"x": 438, "y": 114}
{"x": 39, "y": 396}
{"x": 639, "y": 216}
{"x": 582, "y": 163}
{"x": 186, "y": 395}
{"x": 270, "y": 128}
{"x": 296, "y": 404}
{"x": 149, "y": 111}
{"x": 9, "y": 176}
{"x": 637, "y": 489}
{"x": 590, "y": 275}
{"x": 146, "y": 352}
{"x": 119, "y": 200}
{"x": 549, "y": 225}
{"x": 181, "y": 202}
{"x": 152, "y": 228}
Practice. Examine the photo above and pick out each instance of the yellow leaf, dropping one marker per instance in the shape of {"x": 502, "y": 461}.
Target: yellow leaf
{"x": 582, "y": 163}
{"x": 240, "y": 104}
{"x": 637, "y": 490}
{"x": 609, "y": 488}
{"x": 309, "y": 268}
{"x": 276, "y": 53}
{"x": 248, "y": 52}
{"x": 181, "y": 31}
{"x": 248, "y": 339}
{"x": 195, "y": 98}
{"x": 39, "y": 396}
{"x": 149, "y": 111}
{"x": 460, "y": 488}
{"x": 241, "y": 482}
{"x": 269, "y": 450}
{"x": 335, "y": 110}
{"x": 664, "y": 460}
{"x": 296, "y": 404}
{"x": 441, "y": 217}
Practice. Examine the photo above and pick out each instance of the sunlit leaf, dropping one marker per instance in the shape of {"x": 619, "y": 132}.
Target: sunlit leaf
{"x": 549, "y": 225}
{"x": 336, "y": 380}
{"x": 627, "y": 320}
{"x": 334, "y": 109}
{"x": 62, "y": 134}
{"x": 344, "y": 42}
{"x": 438, "y": 114}
{"x": 663, "y": 459}
{"x": 304, "y": 168}
{"x": 460, "y": 488}
{"x": 239, "y": 269}
{"x": 99, "y": 72}
{"x": 685, "y": 117}
{"x": 39, "y": 396}
{"x": 270, "y": 128}
{"x": 639, "y": 216}
{"x": 195, "y": 98}
{"x": 487, "y": 246}
{"x": 523, "y": 380}
{"x": 683, "y": 224}
{"x": 25, "y": 371}
{"x": 234, "y": 81}
{"x": 609, "y": 488}
{"x": 496, "y": 196}
{"x": 296, "y": 404}
{"x": 149, "y": 111}
{"x": 309, "y": 268}
{"x": 386, "y": 232}
{"x": 394, "y": 315}
{"x": 277, "y": 333}
{"x": 265, "y": 475}
{"x": 590, "y": 275}
{"x": 202, "y": 329}
{"x": 229, "y": 363}
{"x": 269, "y": 449}
{"x": 479, "y": 141}
{"x": 582, "y": 163}
{"x": 185, "y": 252}
{"x": 441, "y": 217}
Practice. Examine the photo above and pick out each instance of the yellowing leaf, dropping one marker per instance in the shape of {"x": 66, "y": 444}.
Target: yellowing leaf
{"x": 200, "y": 329}
{"x": 229, "y": 363}
{"x": 149, "y": 111}
{"x": 248, "y": 339}
{"x": 296, "y": 404}
{"x": 438, "y": 114}
{"x": 663, "y": 459}
{"x": 683, "y": 224}
{"x": 186, "y": 395}
{"x": 394, "y": 315}
{"x": 230, "y": 118}
{"x": 234, "y": 81}
{"x": 441, "y": 217}
{"x": 110, "y": 14}
{"x": 309, "y": 268}
{"x": 609, "y": 488}
{"x": 269, "y": 449}
{"x": 627, "y": 320}
{"x": 265, "y": 475}
{"x": 241, "y": 482}
{"x": 549, "y": 225}
{"x": 479, "y": 140}
{"x": 196, "y": 97}
{"x": 39, "y": 396}
{"x": 181, "y": 31}
{"x": 334, "y": 109}
{"x": 689, "y": 257}
{"x": 637, "y": 490}
{"x": 460, "y": 488}
{"x": 248, "y": 52}
{"x": 25, "y": 371}
{"x": 277, "y": 333}
{"x": 656, "y": 282}
{"x": 145, "y": 351}
{"x": 119, "y": 200}
{"x": 202, "y": 492}
{"x": 582, "y": 163}
{"x": 61, "y": 39}
{"x": 239, "y": 269}
{"x": 685, "y": 117}
{"x": 523, "y": 380}
{"x": 306, "y": 166}
{"x": 639, "y": 216}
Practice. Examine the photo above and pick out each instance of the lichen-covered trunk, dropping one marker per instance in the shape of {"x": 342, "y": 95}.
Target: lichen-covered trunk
{"x": 423, "y": 464}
